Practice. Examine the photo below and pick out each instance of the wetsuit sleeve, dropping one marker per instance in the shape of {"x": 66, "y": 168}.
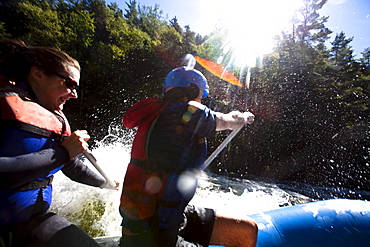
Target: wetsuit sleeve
{"x": 17, "y": 170}
{"x": 204, "y": 123}
{"x": 79, "y": 172}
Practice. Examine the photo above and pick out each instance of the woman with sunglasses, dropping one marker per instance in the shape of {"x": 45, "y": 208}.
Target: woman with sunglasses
{"x": 36, "y": 142}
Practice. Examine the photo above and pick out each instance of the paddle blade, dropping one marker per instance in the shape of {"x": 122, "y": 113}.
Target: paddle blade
{"x": 218, "y": 70}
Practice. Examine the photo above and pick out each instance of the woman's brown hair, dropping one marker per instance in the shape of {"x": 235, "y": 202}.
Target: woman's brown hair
{"x": 17, "y": 59}
{"x": 177, "y": 94}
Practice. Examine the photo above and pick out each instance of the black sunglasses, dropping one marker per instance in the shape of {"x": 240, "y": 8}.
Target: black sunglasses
{"x": 70, "y": 83}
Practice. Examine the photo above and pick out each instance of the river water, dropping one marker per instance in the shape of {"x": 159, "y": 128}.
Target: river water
{"x": 96, "y": 210}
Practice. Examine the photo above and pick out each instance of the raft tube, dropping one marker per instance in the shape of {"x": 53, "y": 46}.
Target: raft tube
{"x": 337, "y": 222}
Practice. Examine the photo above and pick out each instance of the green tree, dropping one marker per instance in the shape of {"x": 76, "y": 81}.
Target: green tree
{"x": 78, "y": 32}
{"x": 175, "y": 24}
{"x": 189, "y": 40}
{"x": 99, "y": 12}
{"x": 365, "y": 60}
{"x": 132, "y": 13}
{"x": 341, "y": 52}
{"x": 43, "y": 24}
{"x": 3, "y": 33}
{"x": 311, "y": 27}
{"x": 349, "y": 83}
{"x": 152, "y": 21}
{"x": 15, "y": 21}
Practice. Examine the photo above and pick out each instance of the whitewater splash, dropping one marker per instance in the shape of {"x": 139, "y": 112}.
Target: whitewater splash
{"x": 95, "y": 210}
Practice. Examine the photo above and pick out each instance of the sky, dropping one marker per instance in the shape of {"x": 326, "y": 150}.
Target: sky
{"x": 350, "y": 16}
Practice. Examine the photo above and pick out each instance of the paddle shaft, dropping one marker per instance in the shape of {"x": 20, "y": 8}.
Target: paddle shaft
{"x": 222, "y": 146}
{"x": 93, "y": 161}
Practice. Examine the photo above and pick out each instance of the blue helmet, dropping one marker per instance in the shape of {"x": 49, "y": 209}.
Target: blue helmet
{"x": 183, "y": 76}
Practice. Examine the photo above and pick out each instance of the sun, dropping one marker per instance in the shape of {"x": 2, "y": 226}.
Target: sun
{"x": 251, "y": 25}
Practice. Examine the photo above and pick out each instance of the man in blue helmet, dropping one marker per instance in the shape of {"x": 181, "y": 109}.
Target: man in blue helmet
{"x": 167, "y": 153}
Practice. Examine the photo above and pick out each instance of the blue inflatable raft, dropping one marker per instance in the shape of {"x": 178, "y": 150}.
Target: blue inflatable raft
{"x": 337, "y": 223}
{"x": 330, "y": 223}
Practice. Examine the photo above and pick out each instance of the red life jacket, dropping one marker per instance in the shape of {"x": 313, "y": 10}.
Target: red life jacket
{"x": 150, "y": 197}
{"x": 19, "y": 111}
{"x": 20, "y": 114}
{"x": 144, "y": 183}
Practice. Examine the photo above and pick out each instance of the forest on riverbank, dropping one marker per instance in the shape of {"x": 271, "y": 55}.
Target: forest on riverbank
{"x": 311, "y": 100}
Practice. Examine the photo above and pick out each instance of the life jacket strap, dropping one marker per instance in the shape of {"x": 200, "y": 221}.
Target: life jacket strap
{"x": 36, "y": 184}
{"x": 152, "y": 166}
{"x": 13, "y": 124}
{"x": 147, "y": 165}
{"x": 167, "y": 204}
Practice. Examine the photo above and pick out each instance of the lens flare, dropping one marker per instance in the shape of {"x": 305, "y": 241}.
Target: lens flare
{"x": 218, "y": 70}
{"x": 153, "y": 185}
{"x": 187, "y": 183}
